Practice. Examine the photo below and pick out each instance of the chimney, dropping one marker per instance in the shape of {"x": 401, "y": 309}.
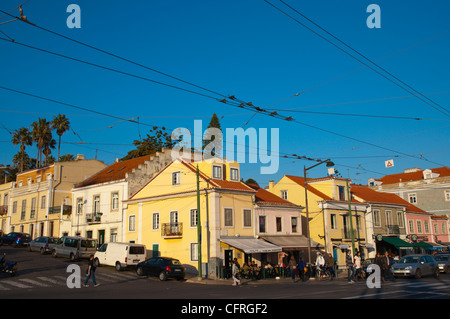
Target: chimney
{"x": 80, "y": 157}
{"x": 271, "y": 184}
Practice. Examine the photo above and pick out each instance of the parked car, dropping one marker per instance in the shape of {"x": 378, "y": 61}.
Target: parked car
{"x": 75, "y": 247}
{"x": 443, "y": 261}
{"x": 416, "y": 265}
{"x": 163, "y": 267}
{"x": 16, "y": 239}
{"x": 43, "y": 244}
{"x": 120, "y": 255}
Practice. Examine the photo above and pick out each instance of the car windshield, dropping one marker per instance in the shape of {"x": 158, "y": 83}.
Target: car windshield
{"x": 409, "y": 260}
{"x": 441, "y": 257}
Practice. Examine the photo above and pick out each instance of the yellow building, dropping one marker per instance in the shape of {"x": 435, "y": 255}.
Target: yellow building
{"x": 163, "y": 215}
{"x": 4, "y": 205}
{"x": 41, "y": 199}
{"x": 329, "y": 219}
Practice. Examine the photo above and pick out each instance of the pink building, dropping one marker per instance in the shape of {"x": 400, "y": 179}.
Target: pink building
{"x": 440, "y": 227}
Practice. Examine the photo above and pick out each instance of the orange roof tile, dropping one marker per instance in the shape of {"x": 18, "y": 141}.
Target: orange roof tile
{"x": 301, "y": 181}
{"x": 265, "y": 197}
{"x": 412, "y": 176}
{"x": 115, "y": 171}
{"x": 369, "y": 195}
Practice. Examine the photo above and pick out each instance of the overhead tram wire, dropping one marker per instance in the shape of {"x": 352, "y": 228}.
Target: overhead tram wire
{"x": 437, "y": 107}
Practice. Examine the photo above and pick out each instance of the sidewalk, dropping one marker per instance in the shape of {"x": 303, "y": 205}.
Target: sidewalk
{"x": 228, "y": 282}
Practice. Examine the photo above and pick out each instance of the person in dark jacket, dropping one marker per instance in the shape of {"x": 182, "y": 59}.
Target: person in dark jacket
{"x": 350, "y": 266}
{"x": 90, "y": 272}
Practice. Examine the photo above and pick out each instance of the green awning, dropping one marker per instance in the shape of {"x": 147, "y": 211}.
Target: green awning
{"x": 423, "y": 244}
{"x": 398, "y": 243}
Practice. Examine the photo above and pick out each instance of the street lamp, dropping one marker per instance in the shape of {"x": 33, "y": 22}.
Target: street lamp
{"x": 305, "y": 169}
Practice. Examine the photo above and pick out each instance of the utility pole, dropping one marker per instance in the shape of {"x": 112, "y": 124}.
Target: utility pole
{"x": 350, "y": 215}
{"x": 199, "y": 228}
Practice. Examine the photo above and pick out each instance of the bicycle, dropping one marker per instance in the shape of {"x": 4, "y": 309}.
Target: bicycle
{"x": 323, "y": 274}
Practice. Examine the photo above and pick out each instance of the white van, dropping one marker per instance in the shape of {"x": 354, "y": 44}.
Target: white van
{"x": 120, "y": 255}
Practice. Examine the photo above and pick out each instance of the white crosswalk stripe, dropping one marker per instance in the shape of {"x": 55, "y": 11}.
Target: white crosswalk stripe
{"x": 34, "y": 282}
{"x": 4, "y": 288}
{"x": 55, "y": 281}
{"x": 15, "y": 284}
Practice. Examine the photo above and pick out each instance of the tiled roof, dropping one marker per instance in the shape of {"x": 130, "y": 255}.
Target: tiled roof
{"x": 369, "y": 195}
{"x": 264, "y": 197}
{"x": 115, "y": 171}
{"x": 412, "y": 176}
{"x": 301, "y": 181}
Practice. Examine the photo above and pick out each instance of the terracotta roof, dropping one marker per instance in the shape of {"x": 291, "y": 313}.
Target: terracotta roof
{"x": 301, "y": 181}
{"x": 412, "y": 176}
{"x": 369, "y": 195}
{"x": 264, "y": 197}
{"x": 115, "y": 171}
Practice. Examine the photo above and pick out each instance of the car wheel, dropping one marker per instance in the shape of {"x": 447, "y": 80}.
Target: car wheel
{"x": 418, "y": 274}
{"x": 162, "y": 276}
{"x": 436, "y": 272}
{"x": 140, "y": 271}
{"x": 72, "y": 257}
{"x": 118, "y": 266}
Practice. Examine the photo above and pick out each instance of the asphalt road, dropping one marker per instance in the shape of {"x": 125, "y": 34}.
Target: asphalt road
{"x": 44, "y": 277}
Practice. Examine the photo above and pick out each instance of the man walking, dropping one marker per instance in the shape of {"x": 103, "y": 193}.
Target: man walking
{"x": 91, "y": 272}
{"x": 350, "y": 266}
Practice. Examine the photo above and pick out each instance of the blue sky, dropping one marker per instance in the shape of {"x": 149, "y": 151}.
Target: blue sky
{"x": 243, "y": 48}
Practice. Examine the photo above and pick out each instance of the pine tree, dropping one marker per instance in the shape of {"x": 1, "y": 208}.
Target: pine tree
{"x": 214, "y": 123}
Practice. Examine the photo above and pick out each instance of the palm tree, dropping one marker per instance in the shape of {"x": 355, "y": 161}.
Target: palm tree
{"x": 23, "y": 137}
{"x": 41, "y": 132}
{"x": 61, "y": 124}
{"x": 47, "y": 149}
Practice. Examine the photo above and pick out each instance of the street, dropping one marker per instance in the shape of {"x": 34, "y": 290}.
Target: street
{"x": 44, "y": 277}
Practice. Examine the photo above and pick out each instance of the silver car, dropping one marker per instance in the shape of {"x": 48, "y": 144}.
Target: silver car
{"x": 416, "y": 265}
{"x": 443, "y": 261}
{"x": 43, "y": 244}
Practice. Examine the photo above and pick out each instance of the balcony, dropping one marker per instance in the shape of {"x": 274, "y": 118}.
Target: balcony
{"x": 94, "y": 218}
{"x": 172, "y": 230}
{"x": 393, "y": 230}
{"x": 3, "y": 210}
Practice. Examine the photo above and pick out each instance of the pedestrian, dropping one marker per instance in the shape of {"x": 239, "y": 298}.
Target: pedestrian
{"x": 330, "y": 265}
{"x": 357, "y": 263}
{"x": 235, "y": 272}
{"x": 386, "y": 267}
{"x": 301, "y": 269}
{"x": 91, "y": 272}
{"x": 350, "y": 266}
{"x": 292, "y": 266}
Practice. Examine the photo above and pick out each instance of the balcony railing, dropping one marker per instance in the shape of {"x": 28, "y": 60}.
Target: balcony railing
{"x": 93, "y": 218}
{"x": 393, "y": 230}
{"x": 66, "y": 210}
{"x": 172, "y": 230}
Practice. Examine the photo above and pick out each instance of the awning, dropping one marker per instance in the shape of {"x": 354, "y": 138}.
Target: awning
{"x": 398, "y": 243}
{"x": 251, "y": 245}
{"x": 429, "y": 246}
{"x": 290, "y": 242}
{"x": 422, "y": 244}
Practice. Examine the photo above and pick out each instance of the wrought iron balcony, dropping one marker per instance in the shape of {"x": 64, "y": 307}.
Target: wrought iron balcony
{"x": 94, "y": 218}
{"x": 172, "y": 230}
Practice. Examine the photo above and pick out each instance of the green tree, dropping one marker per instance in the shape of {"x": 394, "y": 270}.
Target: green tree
{"x": 153, "y": 143}
{"x": 23, "y": 137}
{"x": 61, "y": 124}
{"x": 214, "y": 123}
{"x": 67, "y": 158}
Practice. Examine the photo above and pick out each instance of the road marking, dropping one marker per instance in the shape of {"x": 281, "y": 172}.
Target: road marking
{"x": 4, "y": 288}
{"x": 53, "y": 281}
{"x": 16, "y": 284}
{"x": 34, "y": 282}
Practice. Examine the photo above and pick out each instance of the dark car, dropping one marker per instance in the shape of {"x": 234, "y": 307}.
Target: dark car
{"x": 16, "y": 239}
{"x": 163, "y": 267}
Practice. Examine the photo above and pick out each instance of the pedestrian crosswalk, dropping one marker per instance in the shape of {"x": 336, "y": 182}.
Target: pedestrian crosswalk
{"x": 10, "y": 283}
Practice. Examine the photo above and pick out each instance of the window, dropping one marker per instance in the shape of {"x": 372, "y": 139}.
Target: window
{"x": 388, "y": 218}
{"x": 436, "y": 229}
{"x": 115, "y": 201}
{"x": 155, "y": 221}
{"x": 176, "y": 178}
{"x": 132, "y": 223}
{"x": 294, "y": 224}
{"x": 341, "y": 192}
{"x": 217, "y": 171}
{"x": 234, "y": 174}
{"x": 447, "y": 195}
{"x": 174, "y": 217}
{"x": 278, "y": 222}
{"x": 33, "y": 207}
{"x": 400, "y": 219}
{"x": 14, "y": 207}
{"x": 443, "y": 228}
{"x": 194, "y": 218}
{"x": 284, "y": 194}
{"x": 426, "y": 226}
{"x": 194, "y": 251}
{"x": 419, "y": 227}
{"x": 113, "y": 235}
{"x": 376, "y": 218}
{"x": 228, "y": 217}
{"x": 247, "y": 218}
{"x": 411, "y": 226}
{"x": 412, "y": 198}
{"x": 43, "y": 201}
{"x": 333, "y": 221}
{"x": 96, "y": 206}
{"x": 79, "y": 206}
{"x": 262, "y": 224}
{"x": 24, "y": 207}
